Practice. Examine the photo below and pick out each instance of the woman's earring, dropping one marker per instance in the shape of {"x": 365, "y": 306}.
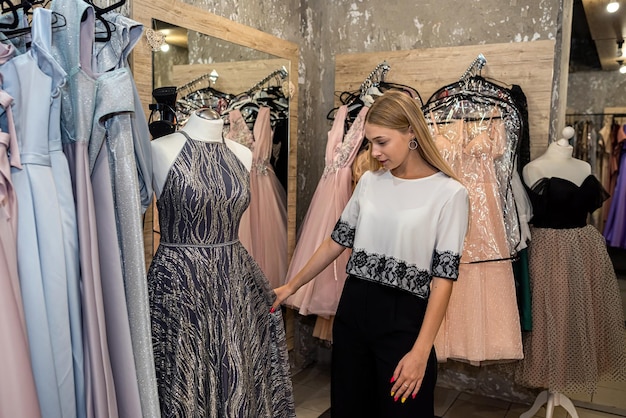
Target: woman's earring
{"x": 413, "y": 144}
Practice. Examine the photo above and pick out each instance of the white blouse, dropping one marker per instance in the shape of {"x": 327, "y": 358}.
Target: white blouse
{"x": 404, "y": 232}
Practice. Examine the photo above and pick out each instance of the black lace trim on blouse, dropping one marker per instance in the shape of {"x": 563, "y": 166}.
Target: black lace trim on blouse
{"x": 390, "y": 271}
{"x": 446, "y": 264}
{"x": 343, "y": 234}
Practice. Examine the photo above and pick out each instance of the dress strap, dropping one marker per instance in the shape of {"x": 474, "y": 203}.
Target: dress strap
{"x": 185, "y": 134}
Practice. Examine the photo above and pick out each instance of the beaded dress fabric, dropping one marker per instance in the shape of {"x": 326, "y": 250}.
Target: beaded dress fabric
{"x": 219, "y": 352}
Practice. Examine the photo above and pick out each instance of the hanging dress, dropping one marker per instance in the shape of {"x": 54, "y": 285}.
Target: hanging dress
{"x": 18, "y": 394}
{"x": 482, "y": 319}
{"x": 219, "y": 352}
{"x": 63, "y": 181}
{"x": 72, "y": 47}
{"x": 321, "y": 295}
{"x": 45, "y": 283}
{"x": 130, "y": 165}
{"x": 578, "y": 336}
{"x": 237, "y": 130}
{"x": 615, "y": 227}
{"x": 268, "y": 206}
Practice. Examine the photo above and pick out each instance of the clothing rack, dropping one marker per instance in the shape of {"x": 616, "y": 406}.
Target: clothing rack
{"x": 212, "y": 77}
{"x": 377, "y": 75}
{"x": 282, "y": 72}
{"x": 476, "y": 65}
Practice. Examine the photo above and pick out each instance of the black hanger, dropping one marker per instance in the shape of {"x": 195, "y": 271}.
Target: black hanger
{"x": 100, "y": 12}
{"x": 389, "y": 85}
{"x": 7, "y": 6}
{"x": 58, "y": 21}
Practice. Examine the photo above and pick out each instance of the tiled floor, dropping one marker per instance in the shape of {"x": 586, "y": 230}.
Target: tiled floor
{"x": 312, "y": 397}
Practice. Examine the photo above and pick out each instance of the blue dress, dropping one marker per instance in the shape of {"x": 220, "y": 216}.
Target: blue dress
{"x": 49, "y": 288}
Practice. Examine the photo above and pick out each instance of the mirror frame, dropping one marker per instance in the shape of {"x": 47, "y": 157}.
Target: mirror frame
{"x": 194, "y": 18}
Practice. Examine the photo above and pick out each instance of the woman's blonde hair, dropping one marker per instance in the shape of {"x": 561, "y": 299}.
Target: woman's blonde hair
{"x": 397, "y": 110}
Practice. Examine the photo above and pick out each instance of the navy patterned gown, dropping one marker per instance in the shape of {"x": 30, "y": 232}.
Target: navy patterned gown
{"x": 218, "y": 350}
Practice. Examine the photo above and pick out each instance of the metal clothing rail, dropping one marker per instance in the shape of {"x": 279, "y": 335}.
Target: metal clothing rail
{"x": 377, "y": 75}
{"x": 476, "y": 65}
{"x": 212, "y": 76}
{"x": 282, "y": 72}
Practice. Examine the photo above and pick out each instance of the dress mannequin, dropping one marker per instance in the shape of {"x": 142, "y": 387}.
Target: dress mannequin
{"x": 557, "y": 161}
{"x": 202, "y": 125}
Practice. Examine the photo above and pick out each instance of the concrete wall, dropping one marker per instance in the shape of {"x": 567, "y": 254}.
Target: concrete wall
{"x": 592, "y": 91}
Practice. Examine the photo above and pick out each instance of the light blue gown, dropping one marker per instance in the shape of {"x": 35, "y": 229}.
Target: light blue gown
{"x": 47, "y": 291}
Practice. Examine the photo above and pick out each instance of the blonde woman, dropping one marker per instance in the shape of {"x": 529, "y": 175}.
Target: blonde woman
{"x": 405, "y": 223}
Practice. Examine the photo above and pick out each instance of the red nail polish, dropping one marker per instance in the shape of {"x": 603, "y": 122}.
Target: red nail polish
{"x": 272, "y": 309}
{"x": 396, "y": 399}
{"x": 393, "y": 379}
{"x": 414, "y": 395}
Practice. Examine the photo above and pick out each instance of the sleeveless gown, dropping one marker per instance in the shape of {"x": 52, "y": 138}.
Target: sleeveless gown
{"x": 321, "y": 295}
{"x": 218, "y": 350}
{"x": 49, "y": 289}
{"x": 578, "y": 336}
{"x": 18, "y": 394}
{"x": 268, "y": 206}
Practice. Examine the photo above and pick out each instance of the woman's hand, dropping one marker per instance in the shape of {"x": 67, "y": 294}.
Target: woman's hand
{"x": 325, "y": 254}
{"x": 408, "y": 376}
{"x": 282, "y": 293}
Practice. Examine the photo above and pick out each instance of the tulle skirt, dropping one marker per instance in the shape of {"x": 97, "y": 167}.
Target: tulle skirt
{"x": 578, "y": 335}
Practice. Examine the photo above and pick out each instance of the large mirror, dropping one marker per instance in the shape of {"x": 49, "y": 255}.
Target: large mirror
{"x": 238, "y": 56}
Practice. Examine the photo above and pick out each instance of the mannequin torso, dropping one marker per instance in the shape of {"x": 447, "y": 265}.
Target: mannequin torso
{"x": 557, "y": 161}
{"x": 203, "y": 125}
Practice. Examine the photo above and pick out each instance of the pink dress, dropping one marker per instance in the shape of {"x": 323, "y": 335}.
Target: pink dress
{"x": 268, "y": 206}
{"x": 18, "y": 396}
{"x": 482, "y": 320}
{"x": 321, "y": 295}
{"x": 237, "y": 130}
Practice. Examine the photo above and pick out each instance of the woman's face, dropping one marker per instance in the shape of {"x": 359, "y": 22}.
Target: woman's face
{"x": 389, "y": 146}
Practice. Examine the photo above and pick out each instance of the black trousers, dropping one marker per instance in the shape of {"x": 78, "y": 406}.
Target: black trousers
{"x": 375, "y": 326}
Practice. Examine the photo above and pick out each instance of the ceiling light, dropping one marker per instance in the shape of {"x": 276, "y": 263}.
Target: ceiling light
{"x": 612, "y": 7}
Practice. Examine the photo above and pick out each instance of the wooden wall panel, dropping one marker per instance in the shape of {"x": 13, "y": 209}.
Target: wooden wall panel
{"x": 528, "y": 64}
{"x": 234, "y": 77}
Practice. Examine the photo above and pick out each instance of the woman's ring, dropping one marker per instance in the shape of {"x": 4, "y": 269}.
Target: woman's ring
{"x": 405, "y": 385}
